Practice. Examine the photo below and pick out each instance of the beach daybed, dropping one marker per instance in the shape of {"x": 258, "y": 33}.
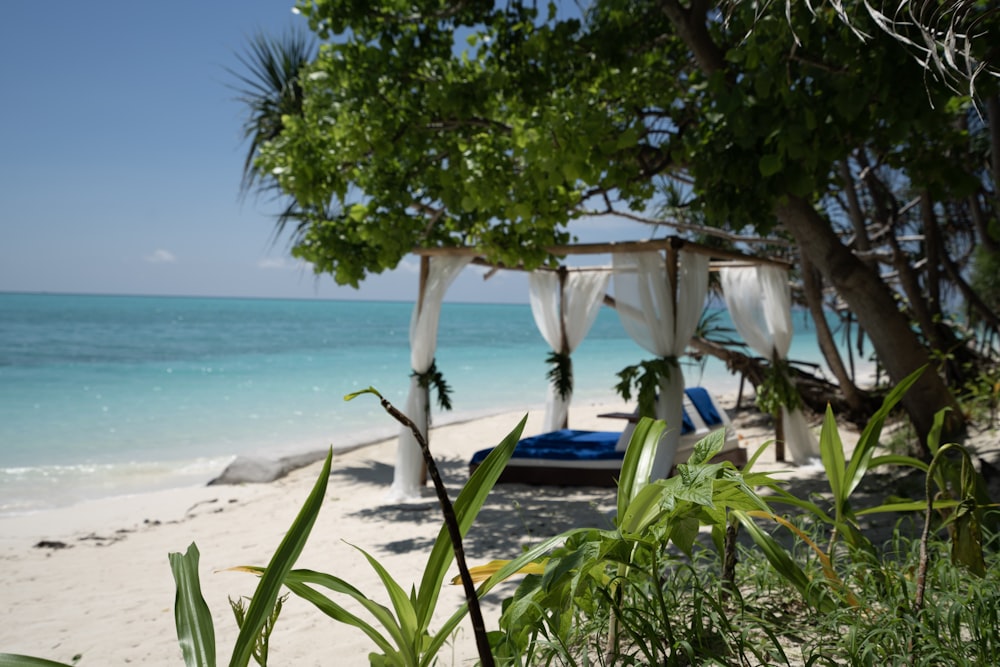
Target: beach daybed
{"x": 594, "y": 458}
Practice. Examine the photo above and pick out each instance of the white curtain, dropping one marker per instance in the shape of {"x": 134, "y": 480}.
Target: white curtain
{"x": 580, "y": 298}
{"x": 423, "y": 345}
{"x": 645, "y": 302}
{"x": 760, "y": 305}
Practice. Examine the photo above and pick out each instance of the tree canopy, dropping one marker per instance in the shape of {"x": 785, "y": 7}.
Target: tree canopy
{"x": 432, "y": 123}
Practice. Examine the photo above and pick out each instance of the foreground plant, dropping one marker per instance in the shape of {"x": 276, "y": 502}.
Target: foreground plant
{"x": 405, "y": 638}
{"x": 621, "y": 570}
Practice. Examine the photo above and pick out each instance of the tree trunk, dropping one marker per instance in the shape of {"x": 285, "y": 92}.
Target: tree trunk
{"x": 813, "y": 290}
{"x": 993, "y": 118}
{"x": 869, "y": 298}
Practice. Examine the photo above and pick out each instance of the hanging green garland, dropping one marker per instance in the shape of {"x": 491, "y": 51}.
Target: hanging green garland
{"x": 777, "y": 390}
{"x": 561, "y": 373}
{"x": 432, "y": 377}
{"x": 645, "y": 377}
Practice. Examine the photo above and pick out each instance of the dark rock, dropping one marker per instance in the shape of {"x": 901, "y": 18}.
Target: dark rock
{"x": 249, "y": 470}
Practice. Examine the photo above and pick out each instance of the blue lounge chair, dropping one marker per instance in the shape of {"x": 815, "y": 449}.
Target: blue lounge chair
{"x": 594, "y": 458}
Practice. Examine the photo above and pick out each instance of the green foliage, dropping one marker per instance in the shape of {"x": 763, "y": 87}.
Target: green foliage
{"x": 192, "y": 617}
{"x": 405, "y": 638}
{"x": 647, "y": 591}
{"x": 646, "y": 377}
{"x": 13, "y": 660}
{"x": 270, "y": 89}
{"x": 623, "y": 566}
{"x": 239, "y": 607}
{"x": 777, "y": 390}
{"x": 432, "y": 377}
{"x": 561, "y": 373}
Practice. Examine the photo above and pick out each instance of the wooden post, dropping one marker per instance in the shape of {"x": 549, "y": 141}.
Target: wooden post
{"x": 779, "y": 426}
{"x": 425, "y": 270}
{"x": 563, "y": 340}
{"x": 673, "y": 271}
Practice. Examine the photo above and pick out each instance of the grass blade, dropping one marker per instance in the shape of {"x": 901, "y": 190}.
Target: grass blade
{"x": 192, "y": 617}
{"x": 284, "y": 558}
{"x": 784, "y": 565}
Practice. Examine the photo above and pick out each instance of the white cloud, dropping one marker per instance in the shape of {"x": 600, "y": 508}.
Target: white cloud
{"x": 160, "y": 256}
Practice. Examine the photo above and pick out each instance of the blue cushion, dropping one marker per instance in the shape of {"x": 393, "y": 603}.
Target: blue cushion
{"x": 703, "y": 404}
{"x": 566, "y": 445}
{"x": 572, "y": 445}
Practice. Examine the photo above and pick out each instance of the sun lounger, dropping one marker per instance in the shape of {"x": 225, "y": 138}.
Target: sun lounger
{"x": 594, "y": 458}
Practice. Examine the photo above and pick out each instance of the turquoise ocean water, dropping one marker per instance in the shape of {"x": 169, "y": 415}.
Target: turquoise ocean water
{"x": 109, "y": 395}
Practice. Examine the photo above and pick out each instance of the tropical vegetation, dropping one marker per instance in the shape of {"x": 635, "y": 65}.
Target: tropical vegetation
{"x": 830, "y": 133}
{"x": 671, "y": 583}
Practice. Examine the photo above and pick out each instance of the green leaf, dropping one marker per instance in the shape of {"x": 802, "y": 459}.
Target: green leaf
{"x": 14, "y": 660}
{"x": 706, "y": 448}
{"x": 406, "y": 615}
{"x": 281, "y": 563}
{"x": 507, "y": 571}
{"x": 769, "y": 165}
{"x": 297, "y": 581}
{"x": 831, "y": 451}
{"x": 860, "y": 459}
{"x": 638, "y": 463}
{"x": 470, "y": 500}
{"x": 646, "y": 507}
{"x": 684, "y": 532}
{"x": 967, "y": 542}
{"x": 785, "y": 566}
{"x": 192, "y": 617}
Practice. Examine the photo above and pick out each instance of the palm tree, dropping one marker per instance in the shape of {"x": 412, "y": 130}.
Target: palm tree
{"x": 270, "y": 88}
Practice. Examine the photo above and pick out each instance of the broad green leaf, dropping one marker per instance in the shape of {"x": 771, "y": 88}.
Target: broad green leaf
{"x": 192, "y": 617}
{"x": 858, "y": 465}
{"x": 683, "y": 533}
{"x": 831, "y": 451}
{"x": 15, "y": 660}
{"x": 645, "y": 508}
{"x": 281, "y": 563}
{"x": 470, "y": 500}
{"x": 706, "y": 448}
{"x": 697, "y": 483}
{"x": 638, "y": 463}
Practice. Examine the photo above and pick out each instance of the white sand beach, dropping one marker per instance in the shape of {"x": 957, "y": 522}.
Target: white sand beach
{"x": 91, "y": 583}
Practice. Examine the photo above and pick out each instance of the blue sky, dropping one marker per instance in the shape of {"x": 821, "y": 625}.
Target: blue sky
{"x": 121, "y": 154}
